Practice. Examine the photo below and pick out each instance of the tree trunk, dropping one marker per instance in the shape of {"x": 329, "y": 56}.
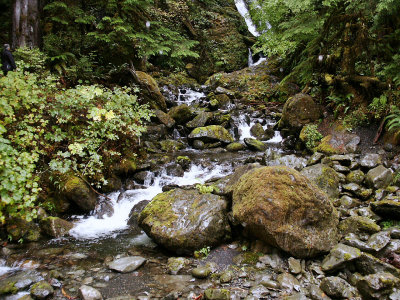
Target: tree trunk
{"x": 26, "y": 20}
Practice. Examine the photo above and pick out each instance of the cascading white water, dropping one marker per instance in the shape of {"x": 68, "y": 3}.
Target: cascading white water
{"x": 244, "y": 11}
{"x": 189, "y": 96}
{"x": 244, "y": 129}
{"x": 94, "y": 227}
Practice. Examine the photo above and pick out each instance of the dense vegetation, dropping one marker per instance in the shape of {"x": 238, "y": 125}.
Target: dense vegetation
{"x": 47, "y": 131}
{"x": 345, "y": 52}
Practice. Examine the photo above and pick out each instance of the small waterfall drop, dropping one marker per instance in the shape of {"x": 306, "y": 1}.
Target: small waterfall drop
{"x": 244, "y": 11}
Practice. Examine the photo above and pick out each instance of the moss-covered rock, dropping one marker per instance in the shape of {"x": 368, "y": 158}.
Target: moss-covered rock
{"x": 186, "y": 220}
{"x": 255, "y": 145}
{"x": 171, "y": 145}
{"x": 55, "y": 227}
{"x": 324, "y": 177}
{"x": 298, "y": 111}
{"x": 200, "y": 120}
{"x": 217, "y": 294}
{"x": 165, "y": 118}
{"x": 211, "y": 134}
{"x": 283, "y": 208}
{"x": 357, "y": 224}
{"x": 77, "y": 191}
{"x": 41, "y": 290}
{"x": 21, "y": 229}
{"x": 181, "y": 114}
{"x": 150, "y": 92}
{"x": 234, "y": 147}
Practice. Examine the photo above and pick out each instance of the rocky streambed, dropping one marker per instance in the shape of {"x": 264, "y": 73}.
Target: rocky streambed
{"x": 223, "y": 208}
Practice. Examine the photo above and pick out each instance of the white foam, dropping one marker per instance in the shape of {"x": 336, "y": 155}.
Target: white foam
{"x": 94, "y": 227}
{"x": 189, "y": 96}
{"x": 243, "y": 10}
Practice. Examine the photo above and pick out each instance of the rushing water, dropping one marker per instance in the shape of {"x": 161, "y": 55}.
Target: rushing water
{"x": 244, "y": 11}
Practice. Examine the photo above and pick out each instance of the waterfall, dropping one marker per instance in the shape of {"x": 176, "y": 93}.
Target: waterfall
{"x": 244, "y": 11}
{"x": 250, "y": 58}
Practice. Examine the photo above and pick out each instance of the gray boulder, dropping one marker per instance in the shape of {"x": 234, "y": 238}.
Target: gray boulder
{"x": 126, "y": 264}
{"x": 89, "y": 293}
{"x": 324, "y": 177}
{"x": 377, "y": 286}
{"x": 211, "y": 134}
{"x": 200, "y": 120}
{"x": 379, "y": 177}
{"x": 337, "y": 287}
{"x": 186, "y": 220}
{"x": 371, "y": 160}
{"x": 339, "y": 256}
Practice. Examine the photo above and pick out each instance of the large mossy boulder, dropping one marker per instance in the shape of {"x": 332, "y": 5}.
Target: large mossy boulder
{"x": 181, "y": 114}
{"x": 186, "y": 220}
{"x": 211, "y": 134}
{"x": 150, "y": 92}
{"x": 21, "y": 229}
{"x": 324, "y": 177}
{"x": 280, "y": 206}
{"x": 77, "y": 191}
{"x": 298, "y": 111}
{"x": 55, "y": 227}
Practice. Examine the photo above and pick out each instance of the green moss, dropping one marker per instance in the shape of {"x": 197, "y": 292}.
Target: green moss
{"x": 325, "y": 147}
{"x": 8, "y": 287}
{"x": 250, "y": 258}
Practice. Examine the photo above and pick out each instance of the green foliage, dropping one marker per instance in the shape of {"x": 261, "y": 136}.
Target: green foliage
{"x": 45, "y": 129}
{"x": 203, "y": 252}
{"x": 390, "y": 223}
{"x": 104, "y": 34}
{"x": 311, "y": 136}
{"x": 379, "y": 106}
{"x": 393, "y": 118}
{"x": 206, "y": 189}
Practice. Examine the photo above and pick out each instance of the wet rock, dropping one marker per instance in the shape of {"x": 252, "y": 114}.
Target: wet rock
{"x": 298, "y": 111}
{"x": 41, "y": 290}
{"x": 368, "y": 213}
{"x": 133, "y": 220}
{"x": 199, "y": 145}
{"x": 175, "y": 264}
{"x": 217, "y": 294}
{"x": 352, "y": 188}
{"x": 356, "y": 176}
{"x": 200, "y": 120}
{"x": 291, "y": 161}
{"x": 280, "y": 206}
{"x": 174, "y": 170}
{"x": 317, "y": 294}
{"x": 234, "y": 147}
{"x": 352, "y": 240}
{"x": 379, "y": 240}
{"x": 55, "y": 227}
{"x": 349, "y": 202}
{"x": 294, "y": 265}
{"x": 377, "y": 286}
{"x": 338, "y": 141}
{"x": 126, "y": 264}
{"x": 210, "y": 134}
{"x": 181, "y": 114}
{"x": 369, "y": 264}
{"x": 340, "y": 168}
{"x": 379, "y": 177}
{"x": 150, "y": 91}
{"x": 324, "y": 177}
{"x": 164, "y": 118}
{"x": 288, "y": 282}
{"x": 184, "y": 162}
{"x": 77, "y": 191}
{"x": 315, "y": 158}
{"x": 171, "y": 146}
{"x": 258, "y": 132}
{"x": 395, "y": 233}
{"x": 254, "y": 144}
{"x": 389, "y": 207}
{"x": 269, "y": 283}
{"x": 339, "y": 256}
{"x": 89, "y": 293}
{"x": 142, "y": 176}
{"x": 356, "y": 224}
{"x": 18, "y": 228}
{"x": 258, "y": 292}
{"x": 344, "y": 160}
{"x": 337, "y": 287}
{"x": 20, "y": 281}
{"x": 226, "y": 277}
{"x": 155, "y": 133}
{"x": 186, "y": 220}
{"x": 113, "y": 184}
{"x": 222, "y": 90}
{"x": 371, "y": 161}
{"x": 201, "y": 272}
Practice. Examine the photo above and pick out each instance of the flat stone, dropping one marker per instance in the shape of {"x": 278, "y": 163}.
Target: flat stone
{"x": 315, "y": 158}
{"x": 379, "y": 240}
{"x": 387, "y": 207}
{"x": 352, "y": 240}
{"x": 377, "y": 286}
{"x": 371, "y": 160}
{"x": 288, "y": 282}
{"x": 294, "y": 265}
{"x": 352, "y": 187}
{"x": 337, "y": 287}
{"x": 126, "y": 264}
{"x": 89, "y": 293}
{"x": 379, "y": 177}
{"x": 201, "y": 272}
{"x": 41, "y": 290}
{"x": 368, "y": 264}
{"x": 339, "y": 256}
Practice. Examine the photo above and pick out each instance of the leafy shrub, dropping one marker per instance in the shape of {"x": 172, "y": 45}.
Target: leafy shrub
{"x": 47, "y": 129}
{"x": 311, "y": 136}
